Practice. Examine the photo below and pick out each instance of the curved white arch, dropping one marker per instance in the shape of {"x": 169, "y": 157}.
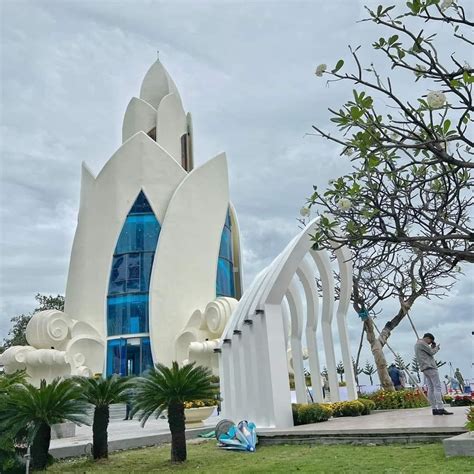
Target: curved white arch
{"x": 327, "y": 282}
{"x": 296, "y": 311}
{"x": 261, "y": 309}
{"x": 306, "y": 274}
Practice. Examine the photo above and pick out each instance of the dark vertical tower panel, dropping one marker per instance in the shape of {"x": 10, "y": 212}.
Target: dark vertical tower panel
{"x": 128, "y": 345}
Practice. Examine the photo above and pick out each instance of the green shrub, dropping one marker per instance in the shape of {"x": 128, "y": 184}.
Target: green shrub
{"x": 353, "y": 408}
{"x": 294, "y": 409}
{"x": 397, "y": 399}
{"x": 470, "y": 419}
{"x": 10, "y": 461}
{"x": 369, "y": 405}
{"x": 304, "y": 414}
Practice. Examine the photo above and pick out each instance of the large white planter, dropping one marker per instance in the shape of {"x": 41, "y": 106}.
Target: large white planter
{"x": 195, "y": 416}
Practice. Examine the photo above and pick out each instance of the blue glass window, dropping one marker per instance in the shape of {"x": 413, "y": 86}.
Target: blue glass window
{"x": 225, "y": 278}
{"x": 127, "y": 314}
{"x": 116, "y": 352}
{"x": 127, "y": 300}
{"x": 131, "y": 356}
{"x": 225, "y": 285}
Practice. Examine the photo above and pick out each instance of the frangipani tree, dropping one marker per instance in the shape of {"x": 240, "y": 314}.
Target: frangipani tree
{"x": 413, "y": 161}
{"x": 405, "y": 209}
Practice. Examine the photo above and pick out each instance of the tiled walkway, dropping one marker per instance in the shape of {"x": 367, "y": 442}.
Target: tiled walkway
{"x": 412, "y": 420}
{"x": 129, "y": 434}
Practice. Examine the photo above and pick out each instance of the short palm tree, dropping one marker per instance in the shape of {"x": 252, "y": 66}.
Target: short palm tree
{"x": 167, "y": 388}
{"x": 36, "y": 409}
{"x": 101, "y": 393}
{"x": 9, "y": 380}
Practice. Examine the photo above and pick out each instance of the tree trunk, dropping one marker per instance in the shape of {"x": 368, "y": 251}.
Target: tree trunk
{"x": 176, "y": 420}
{"x": 379, "y": 357}
{"x": 40, "y": 447}
{"x": 100, "y": 448}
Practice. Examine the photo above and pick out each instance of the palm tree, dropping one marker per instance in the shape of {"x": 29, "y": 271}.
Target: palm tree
{"x": 340, "y": 370}
{"x": 36, "y": 409}
{"x": 167, "y": 388}
{"x": 369, "y": 370}
{"x": 400, "y": 363}
{"x": 357, "y": 370}
{"x": 7, "y": 381}
{"x": 415, "y": 368}
{"x": 101, "y": 393}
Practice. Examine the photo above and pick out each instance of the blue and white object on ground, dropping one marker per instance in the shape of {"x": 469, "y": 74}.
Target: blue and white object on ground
{"x": 242, "y": 437}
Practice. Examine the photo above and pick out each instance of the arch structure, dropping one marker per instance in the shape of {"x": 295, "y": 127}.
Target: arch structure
{"x": 270, "y": 317}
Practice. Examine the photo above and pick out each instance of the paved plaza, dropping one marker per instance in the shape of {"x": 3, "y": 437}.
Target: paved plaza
{"x": 385, "y": 424}
{"x": 410, "y": 420}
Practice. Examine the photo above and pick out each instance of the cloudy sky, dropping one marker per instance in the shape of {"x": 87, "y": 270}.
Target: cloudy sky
{"x": 245, "y": 69}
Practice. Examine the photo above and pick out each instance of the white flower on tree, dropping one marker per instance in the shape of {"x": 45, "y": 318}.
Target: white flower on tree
{"x": 446, "y": 4}
{"x": 305, "y": 212}
{"x": 435, "y": 99}
{"x": 320, "y": 70}
{"x": 344, "y": 204}
{"x": 349, "y": 151}
{"x": 331, "y": 182}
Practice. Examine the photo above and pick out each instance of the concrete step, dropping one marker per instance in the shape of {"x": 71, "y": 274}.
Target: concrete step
{"x": 367, "y": 438}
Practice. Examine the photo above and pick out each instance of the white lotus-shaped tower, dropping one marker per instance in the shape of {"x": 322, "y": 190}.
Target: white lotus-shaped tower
{"x": 155, "y": 265}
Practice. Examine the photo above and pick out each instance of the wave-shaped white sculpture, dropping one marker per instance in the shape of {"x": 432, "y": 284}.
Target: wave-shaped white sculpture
{"x": 48, "y": 329}
{"x": 60, "y": 347}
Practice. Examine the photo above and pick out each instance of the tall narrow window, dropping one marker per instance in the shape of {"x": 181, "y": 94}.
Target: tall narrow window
{"x": 184, "y": 152}
{"x": 127, "y": 300}
{"x": 225, "y": 285}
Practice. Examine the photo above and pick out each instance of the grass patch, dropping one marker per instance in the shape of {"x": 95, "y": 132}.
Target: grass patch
{"x": 206, "y": 457}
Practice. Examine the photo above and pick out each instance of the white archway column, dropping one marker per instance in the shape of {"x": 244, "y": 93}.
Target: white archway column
{"x": 226, "y": 377}
{"x": 306, "y": 273}
{"x": 343, "y": 256}
{"x": 296, "y": 312}
{"x": 324, "y": 267}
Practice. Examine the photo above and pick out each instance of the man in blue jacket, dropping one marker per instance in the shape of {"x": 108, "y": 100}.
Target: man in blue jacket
{"x": 397, "y": 376}
{"x": 425, "y": 349}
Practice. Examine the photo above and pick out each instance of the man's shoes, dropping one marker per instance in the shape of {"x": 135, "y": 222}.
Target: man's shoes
{"x": 436, "y": 412}
{"x": 445, "y": 412}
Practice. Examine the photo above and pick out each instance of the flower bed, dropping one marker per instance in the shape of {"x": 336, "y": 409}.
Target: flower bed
{"x": 459, "y": 400}
{"x": 398, "y": 399}
{"x": 197, "y": 411}
{"x": 211, "y": 402}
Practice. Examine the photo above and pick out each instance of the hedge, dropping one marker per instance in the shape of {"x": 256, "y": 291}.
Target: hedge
{"x": 304, "y": 414}
{"x": 397, "y": 399}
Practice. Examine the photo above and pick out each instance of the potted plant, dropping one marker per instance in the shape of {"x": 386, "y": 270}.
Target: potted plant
{"x": 197, "y": 411}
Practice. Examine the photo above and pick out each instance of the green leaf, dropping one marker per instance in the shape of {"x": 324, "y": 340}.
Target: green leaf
{"x": 339, "y": 64}
{"x": 356, "y": 113}
{"x": 392, "y": 39}
{"x": 446, "y": 125}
